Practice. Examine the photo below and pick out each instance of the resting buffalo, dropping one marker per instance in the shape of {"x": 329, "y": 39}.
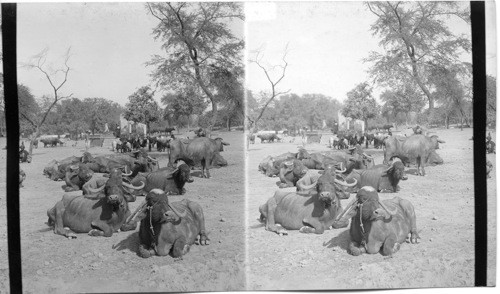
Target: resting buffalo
{"x": 199, "y": 151}
{"x": 309, "y": 181}
{"x": 270, "y": 165}
{"x": 490, "y": 147}
{"x": 56, "y": 170}
{"x": 94, "y": 187}
{"x": 377, "y": 225}
{"x": 97, "y": 217}
{"x": 290, "y": 172}
{"x": 76, "y": 176}
{"x": 170, "y": 180}
{"x": 309, "y": 214}
{"x": 381, "y": 177}
{"x": 267, "y": 137}
{"x": 169, "y": 228}
{"x": 414, "y": 148}
{"x": 24, "y": 156}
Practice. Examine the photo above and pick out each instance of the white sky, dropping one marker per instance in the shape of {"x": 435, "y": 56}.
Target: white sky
{"x": 112, "y": 41}
{"x": 327, "y": 42}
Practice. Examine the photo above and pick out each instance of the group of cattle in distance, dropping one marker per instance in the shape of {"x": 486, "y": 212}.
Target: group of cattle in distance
{"x": 109, "y": 182}
{"x": 322, "y": 179}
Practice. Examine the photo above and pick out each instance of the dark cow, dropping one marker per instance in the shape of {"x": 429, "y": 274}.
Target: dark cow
{"x": 414, "y": 148}
{"x": 24, "y": 156}
{"x": 51, "y": 142}
{"x": 381, "y": 177}
{"x": 379, "y": 225}
{"x": 76, "y": 176}
{"x": 94, "y": 187}
{"x": 22, "y": 177}
{"x": 199, "y": 151}
{"x": 168, "y": 179}
{"x": 97, "y": 217}
{"x": 290, "y": 172}
{"x": 163, "y": 142}
{"x": 308, "y": 182}
{"x": 309, "y": 214}
{"x": 169, "y": 228}
{"x": 490, "y": 147}
{"x": 267, "y": 137}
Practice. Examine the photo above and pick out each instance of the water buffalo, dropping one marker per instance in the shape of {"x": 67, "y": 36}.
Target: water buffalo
{"x": 267, "y": 137}
{"x": 309, "y": 181}
{"x": 490, "y": 147}
{"x": 51, "y": 142}
{"x": 94, "y": 187}
{"x": 56, "y": 170}
{"x": 312, "y": 214}
{"x": 170, "y": 180}
{"x": 24, "y": 156}
{"x": 97, "y": 217}
{"x": 290, "y": 172}
{"x": 379, "y": 225}
{"x": 199, "y": 151}
{"x": 169, "y": 228}
{"x": 76, "y": 176}
{"x": 270, "y": 165}
{"x": 381, "y": 177}
{"x": 414, "y": 148}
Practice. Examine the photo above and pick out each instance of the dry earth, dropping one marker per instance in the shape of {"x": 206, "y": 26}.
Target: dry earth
{"x": 444, "y": 204}
{"x": 53, "y": 264}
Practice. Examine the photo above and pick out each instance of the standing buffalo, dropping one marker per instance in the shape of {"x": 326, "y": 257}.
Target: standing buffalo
{"x": 414, "y": 148}
{"x": 97, "y": 217}
{"x": 169, "y": 228}
{"x": 379, "y": 225}
{"x": 199, "y": 151}
{"x": 309, "y": 214}
{"x": 51, "y": 142}
{"x": 267, "y": 137}
{"x": 381, "y": 177}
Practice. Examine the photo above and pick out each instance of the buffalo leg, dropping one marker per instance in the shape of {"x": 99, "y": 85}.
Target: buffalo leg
{"x": 200, "y": 217}
{"x": 163, "y": 249}
{"x": 391, "y": 245}
{"x": 100, "y": 229}
{"x": 130, "y": 226}
{"x": 315, "y": 226}
{"x": 270, "y": 224}
{"x": 411, "y": 216}
{"x": 355, "y": 249}
{"x": 145, "y": 252}
{"x": 180, "y": 248}
{"x": 59, "y": 229}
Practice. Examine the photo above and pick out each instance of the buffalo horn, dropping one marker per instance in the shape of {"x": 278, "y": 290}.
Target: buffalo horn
{"x": 153, "y": 159}
{"x": 344, "y": 183}
{"x": 97, "y": 190}
{"x": 339, "y": 171}
{"x": 347, "y": 209}
{"x": 441, "y": 141}
{"x": 134, "y": 187}
{"x": 367, "y": 156}
{"x": 306, "y": 187}
{"x": 390, "y": 212}
{"x": 126, "y": 175}
{"x": 137, "y": 210}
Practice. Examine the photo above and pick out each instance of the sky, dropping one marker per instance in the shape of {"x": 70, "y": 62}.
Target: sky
{"x": 111, "y": 42}
{"x": 327, "y": 42}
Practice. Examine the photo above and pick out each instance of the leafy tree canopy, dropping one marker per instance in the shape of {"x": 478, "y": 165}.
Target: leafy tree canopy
{"x": 360, "y": 103}
{"x": 142, "y": 107}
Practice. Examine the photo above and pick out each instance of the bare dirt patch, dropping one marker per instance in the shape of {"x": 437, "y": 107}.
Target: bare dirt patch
{"x": 51, "y": 263}
{"x": 444, "y": 204}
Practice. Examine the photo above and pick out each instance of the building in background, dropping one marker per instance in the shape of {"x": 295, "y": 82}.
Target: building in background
{"x": 130, "y": 127}
{"x": 347, "y": 123}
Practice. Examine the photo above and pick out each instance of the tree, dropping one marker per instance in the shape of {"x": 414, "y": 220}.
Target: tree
{"x": 38, "y": 63}
{"x": 267, "y": 97}
{"x": 100, "y": 111}
{"x": 360, "y": 104}
{"x": 142, "y": 107}
{"x": 415, "y": 39}
{"x": 195, "y": 37}
{"x": 403, "y": 100}
{"x": 491, "y": 99}
{"x": 183, "y": 105}
{"x": 29, "y": 110}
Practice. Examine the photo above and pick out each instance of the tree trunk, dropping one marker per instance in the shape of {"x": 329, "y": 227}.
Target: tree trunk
{"x": 33, "y": 138}
{"x": 228, "y": 124}
{"x": 366, "y": 124}
{"x": 447, "y": 121}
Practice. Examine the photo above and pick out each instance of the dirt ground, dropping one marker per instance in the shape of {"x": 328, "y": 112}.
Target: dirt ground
{"x": 242, "y": 255}
{"x": 444, "y": 204}
{"x": 53, "y": 264}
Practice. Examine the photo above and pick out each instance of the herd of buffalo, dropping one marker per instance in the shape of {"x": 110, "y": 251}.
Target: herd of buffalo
{"x": 323, "y": 178}
{"x": 109, "y": 182}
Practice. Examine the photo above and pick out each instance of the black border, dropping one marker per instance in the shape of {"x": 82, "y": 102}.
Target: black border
{"x": 479, "y": 114}
{"x": 9, "y": 45}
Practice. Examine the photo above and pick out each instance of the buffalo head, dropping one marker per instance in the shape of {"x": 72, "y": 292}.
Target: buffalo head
{"x": 435, "y": 141}
{"x": 183, "y": 171}
{"x": 156, "y": 208}
{"x": 293, "y": 166}
{"x": 113, "y": 189}
{"x": 303, "y": 154}
{"x": 220, "y": 143}
{"x": 368, "y": 204}
{"x": 396, "y": 170}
